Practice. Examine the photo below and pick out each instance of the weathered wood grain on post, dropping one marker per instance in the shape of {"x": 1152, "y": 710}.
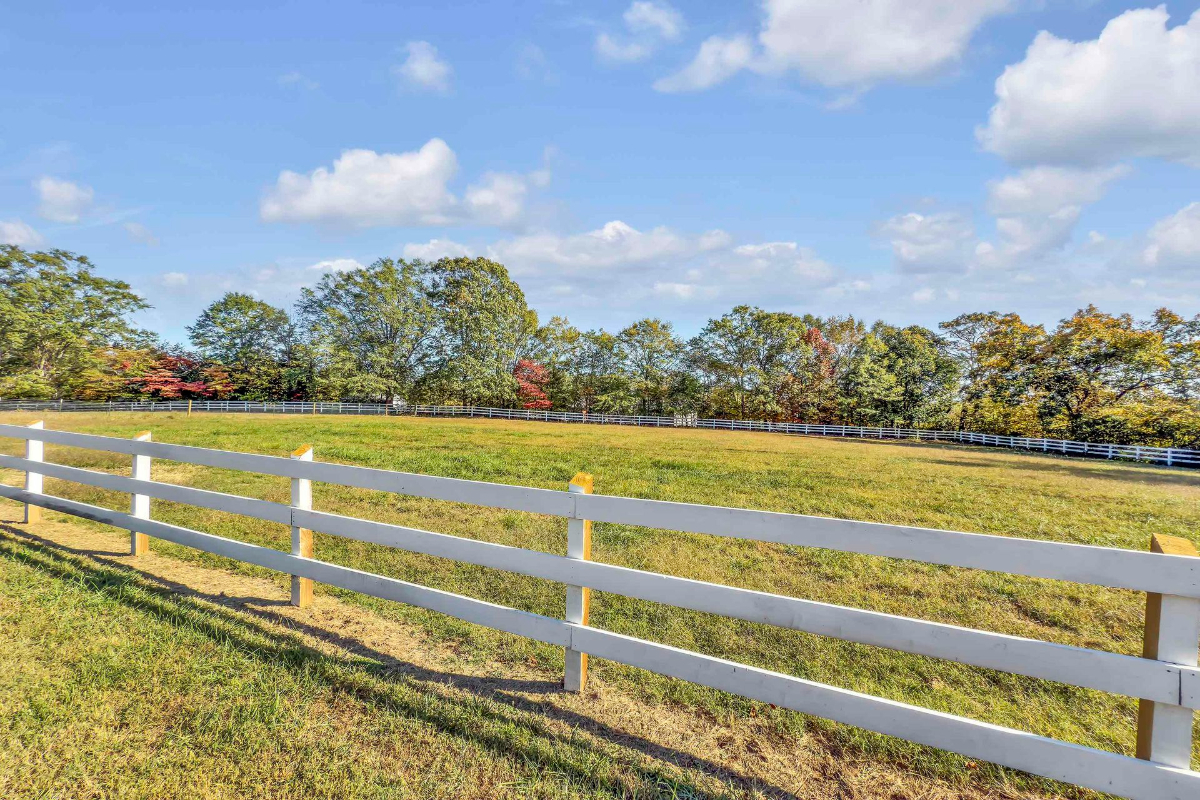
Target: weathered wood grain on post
{"x": 579, "y": 598}
{"x": 139, "y": 504}
{"x": 1172, "y": 633}
{"x": 302, "y": 538}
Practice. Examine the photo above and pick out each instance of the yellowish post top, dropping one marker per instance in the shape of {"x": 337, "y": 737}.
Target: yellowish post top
{"x": 1172, "y": 545}
{"x": 142, "y": 436}
{"x": 584, "y": 481}
{"x": 302, "y": 451}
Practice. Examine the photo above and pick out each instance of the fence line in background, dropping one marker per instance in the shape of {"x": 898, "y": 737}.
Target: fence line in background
{"x": 1166, "y": 678}
{"x": 1170, "y": 456}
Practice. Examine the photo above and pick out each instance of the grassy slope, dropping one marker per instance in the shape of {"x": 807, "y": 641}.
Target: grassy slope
{"x": 940, "y": 486}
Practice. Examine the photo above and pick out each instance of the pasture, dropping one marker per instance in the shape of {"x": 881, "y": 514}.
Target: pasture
{"x": 125, "y": 624}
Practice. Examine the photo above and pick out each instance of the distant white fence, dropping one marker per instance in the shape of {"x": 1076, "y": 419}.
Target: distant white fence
{"x": 1166, "y": 679}
{"x": 1170, "y": 456}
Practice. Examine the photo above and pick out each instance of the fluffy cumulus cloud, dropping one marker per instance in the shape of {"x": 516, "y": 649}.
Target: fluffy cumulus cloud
{"x": 830, "y": 43}
{"x": 423, "y": 69}
{"x": 62, "y": 201}
{"x": 498, "y": 199}
{"x": 1174, "y": 242}
{"x": 1037, "y": 209}
{"x": 18, "y": 233}
{"x": 616, "y": 245}
{"x": 930, "y": 243}
{"x": 365, "y": 188}
{"x": 648, "y": 23}
{"x": 369, "y": 188}
{"x": 778, "y": 261}
{"x": 1133, "y": 91}
{"x": 622, "y": 265}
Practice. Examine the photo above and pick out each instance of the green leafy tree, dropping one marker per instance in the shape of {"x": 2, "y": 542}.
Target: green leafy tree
{"x": 603, "y": 385}
{"x": 371, "y": 331}
{"x": 1094, "y": 361}
{"x": 57, "y": 318}
{"x": 254, "y": 341}
{"x": 558, "y": 347}
{"x": 925, "y": 375}
{"x": 485, "y": 326}
{"x": 652, "y": 356}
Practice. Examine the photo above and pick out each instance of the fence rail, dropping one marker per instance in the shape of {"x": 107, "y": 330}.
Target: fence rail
{"x": 1170, "y": 456}
{"x": 1166, "y": 679}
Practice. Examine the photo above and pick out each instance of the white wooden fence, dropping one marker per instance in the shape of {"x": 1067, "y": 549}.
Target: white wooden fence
{"x": 1166, "y": 679}
{"x": 1170, "y": 456}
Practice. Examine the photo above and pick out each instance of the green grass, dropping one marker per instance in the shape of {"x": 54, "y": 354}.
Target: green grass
{"x": 940, "y": 486}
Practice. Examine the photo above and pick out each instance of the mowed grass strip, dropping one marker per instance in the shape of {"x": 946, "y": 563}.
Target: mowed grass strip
{"x": 941, "y": 486}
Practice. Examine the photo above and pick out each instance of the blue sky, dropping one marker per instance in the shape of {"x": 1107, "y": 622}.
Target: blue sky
{"x": 904, "y": 159}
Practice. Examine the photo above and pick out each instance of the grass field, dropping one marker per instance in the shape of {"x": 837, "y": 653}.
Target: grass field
{"x": 52, "y": 598}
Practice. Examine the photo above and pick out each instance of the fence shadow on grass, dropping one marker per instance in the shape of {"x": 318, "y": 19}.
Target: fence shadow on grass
{"x": 424, "y": 694}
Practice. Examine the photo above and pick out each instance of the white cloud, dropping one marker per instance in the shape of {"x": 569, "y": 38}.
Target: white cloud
{"x": 648, "y": 24}
{"x": 173, "y": 280}
{"x": 835, "y": 44}
{"x": 336, "y": 265}
{"x": 140, "y": 233}
{"x": 611, "y": 49}
{"x": 613, "y": 246}
{"x": 1037, "y": 209}
{"x": 929, "y": 243}
{"x": 62, "y": 201}
{"x": 656, "y": 18}
{"x": 18, "y": 233}
{"x": 435, "y": 249}
{"x": 778, "y": 261}
{"x": 422, "y": 69}
{"x": 719, "y": 59}
{"x": 1133, "y": 91}
{"x": 1174, "y": 242}
{"x": 499, "y": 199}
{"x": 365, "y": 189}
{"x": 680, "y": 291}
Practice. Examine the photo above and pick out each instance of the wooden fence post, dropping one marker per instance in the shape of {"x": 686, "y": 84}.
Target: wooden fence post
{"x": 1164, "y": 731}
{"x": 302, "y": 538}
{"x": 35, "y": 450}
{"x": 139, "y": 504}
{"x": 579, "y": 598}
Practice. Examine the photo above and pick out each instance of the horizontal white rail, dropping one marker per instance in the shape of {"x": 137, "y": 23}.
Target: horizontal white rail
{"x": 1093, "y": 669}
{"x": 1083, "y": 766}
{"x": 1173, "y": 688}
{"x": 1170, "y": 456}
{"x": 1135, "y": 677}
{"x": 1102, "y": 566}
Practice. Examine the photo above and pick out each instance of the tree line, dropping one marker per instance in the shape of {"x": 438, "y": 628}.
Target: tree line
{"x": 459, "y": 331}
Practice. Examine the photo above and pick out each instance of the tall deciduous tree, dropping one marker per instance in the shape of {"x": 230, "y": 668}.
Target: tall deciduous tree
{"x": 254, "y": 340}
{"x": 651, "y": 352}
{"x": 371, "y": 330}
{"x": 485, "y": 326}
{"x": 57, "y": 318}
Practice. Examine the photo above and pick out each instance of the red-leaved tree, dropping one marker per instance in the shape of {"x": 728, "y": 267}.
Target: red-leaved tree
{"x": 531, "y": 385}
